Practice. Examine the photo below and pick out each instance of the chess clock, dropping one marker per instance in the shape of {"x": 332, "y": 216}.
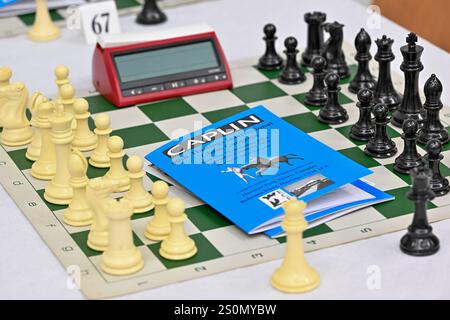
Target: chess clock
{"x": 141, "y": 67}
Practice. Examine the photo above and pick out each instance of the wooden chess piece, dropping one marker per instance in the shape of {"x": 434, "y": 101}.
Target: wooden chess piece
{"x": 314, "y": 38}
{"x": 34, "y": 148}
{"x": 43, "y": 28}
{"x": 140, "y": 198}
{"x": 158, "y": 228}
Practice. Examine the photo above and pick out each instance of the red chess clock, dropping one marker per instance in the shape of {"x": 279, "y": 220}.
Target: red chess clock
{"x": 141, "y": 67}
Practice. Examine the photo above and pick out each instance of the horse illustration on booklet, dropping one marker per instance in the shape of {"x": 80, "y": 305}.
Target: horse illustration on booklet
{"x": 262, "y": 165}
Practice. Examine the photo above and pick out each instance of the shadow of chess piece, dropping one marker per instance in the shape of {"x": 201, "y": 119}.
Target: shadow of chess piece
{"x": 411, "y": 105}
{"x": 363, "y": 129}
{"x": 420, "y": 239}
{"x": 380, "y": 145}
{"x": 332, "y": 112}
{"x": 317, "y": 96}
{"x": 332, "y": 50}
{"x": 363, "y": 78}
{"x": 432, "y": 160}
{"x": 314, "y": 39}
{"x": 270, "y": 59}
{"x": 151, "y": 14}
{"x": 291, "y": 73}
{"x": 432, "y": 127}
{"x": 409, "y": 158}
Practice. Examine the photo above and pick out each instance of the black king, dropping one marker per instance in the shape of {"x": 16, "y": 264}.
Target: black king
{"x": 411, "y": 106}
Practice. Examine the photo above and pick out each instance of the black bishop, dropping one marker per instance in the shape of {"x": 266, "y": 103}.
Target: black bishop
{"x": 363, "y": 78}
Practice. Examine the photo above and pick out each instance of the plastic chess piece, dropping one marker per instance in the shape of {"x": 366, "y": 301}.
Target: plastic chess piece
{"x": 363, "y": 129}
{"x": 67, "y": 99}
{"x": 291, "y": 73}
{"x": 384, "y": 89}
{"x": 151, "y": 13}
{"x": 270, "y": 60}
{"x": 295, "y": 274}
{"x": 409, "y": 158}
{"x": 85, "y": 139}
{"x": 332, "y": 112}
{"x": 363, "y": 78}
{"x": 5, "y": 77}
{"x": 99, "y": 157}
{"x": 43, "y": 28}
{"x": 117, "y": 172}
{"x": 16, "y": 127}
{"x": 34, "y": 148}
{"x": 438, "y": 183}
{"x": 178, "y": 245}
{"x": 432, "y": 127}
{"x": 44, "y": 168}
{"x": 411, "y": 105}
{"x": 98, "y": 191}
{"x": 158, "y": 228}
{"x": 121, "y": 256}
{"x": 420, "y": 239}
{"x": 314, "y": 39}
{"x": 332, "y": 50}
{"x": 79, "y": 212}
{"x": 138, "y": 196}
{"x": 61, "y": 77}
{"x": 380, "y": 145}
{"x": 317, "y": 96}
{"x": 58, "y": 190}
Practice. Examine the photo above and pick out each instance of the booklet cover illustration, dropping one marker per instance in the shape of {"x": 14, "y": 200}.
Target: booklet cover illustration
{"x": 247, "y": 165}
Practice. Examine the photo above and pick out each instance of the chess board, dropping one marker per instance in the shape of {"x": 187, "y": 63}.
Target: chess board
{"x": 221, "y": 246}
{"x": 16, "y": 25}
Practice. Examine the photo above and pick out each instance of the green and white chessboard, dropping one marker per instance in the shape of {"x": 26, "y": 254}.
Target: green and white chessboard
{"x": 13, "y": 26}
{"x": 221, "y": 246}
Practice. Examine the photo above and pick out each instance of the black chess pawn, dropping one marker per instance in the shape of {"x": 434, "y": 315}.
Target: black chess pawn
{"x": 332, "y": 50}
{"x": 151, "y": 13}
{"x": 270, "y": 59}
{"x": 317, "y": 96}
{"x": 380, "y": 145}
{"x": 409, "y": 158}
{"x": 411, "y": 105}
{"x": 363, "y": 129}
{"x": 432, "y": 127}
{"x": 291, "y": 73}
{"x": 332, "y": 112}
{"x": 314, "y": 40}
{"x": 420, "y": 239}
{"x": 363, "y": 78}
{"x": 432, "y": 160}
{"x": 384, "y": 89}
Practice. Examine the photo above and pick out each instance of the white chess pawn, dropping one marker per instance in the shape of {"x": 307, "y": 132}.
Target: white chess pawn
{"x": 158, "y": 228}
{"x": 78, "y": 213}
{"x": 16, "y": 127}
{"x": 58, "y": 190}
{"x": 99, "y": 157}
{"x": 295, "y": 274}
{"x": 67, "y": 99}
{"x": 43, "y": 28}
{"x": 34, "y": 148}
{"x": 138, "y": 196}
{"x": 5, "y": 77}
{"x": 44, "y": 167}
{"x": 178, "y": 245}
{"x": 85, "y": 139}
{"x": 61, "y": 78}
{"x": 97, "y": 192}
{"x": 121, "y": 257}
{"x": 117, "y": 172}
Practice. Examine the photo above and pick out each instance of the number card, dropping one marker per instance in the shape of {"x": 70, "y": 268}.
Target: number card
{"x": 99, "y": 18}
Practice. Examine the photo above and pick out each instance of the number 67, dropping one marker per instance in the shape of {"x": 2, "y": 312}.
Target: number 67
{"x": 97, "y": 26}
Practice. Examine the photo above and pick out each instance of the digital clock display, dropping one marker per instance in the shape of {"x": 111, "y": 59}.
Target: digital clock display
{"x": 163, "y": 62}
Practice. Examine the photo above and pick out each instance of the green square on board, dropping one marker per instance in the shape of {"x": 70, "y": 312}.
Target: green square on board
{"x": 353, "y": 68}
{"x": 140, "y": 135}
{"x": 99, "y": 104}
{"x": 346, "y": 132}
{"x": 18, "y": 156}
{"x": 342, "y": 98}
{"x": 123, "y": 4}
{"x": 206, "y": 218}
{"x": 307, "y": 122}
{"x": 206, "y": 251}
{"x": 217, "y": 115}
{"x": 51, "y": 206}
{"x": 357, "y": 155}
{"x": 258, "y": 91}
{"x": 167, "y": 109}
{"x": 28, "y": 18}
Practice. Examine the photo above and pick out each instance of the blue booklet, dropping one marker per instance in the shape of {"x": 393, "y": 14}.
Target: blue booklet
{"x": 247, "y": 165}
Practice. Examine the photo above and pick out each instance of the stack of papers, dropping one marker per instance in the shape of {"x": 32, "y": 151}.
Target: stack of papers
{"x": 248, "y": 165}
{"x": 28, "y": 6}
